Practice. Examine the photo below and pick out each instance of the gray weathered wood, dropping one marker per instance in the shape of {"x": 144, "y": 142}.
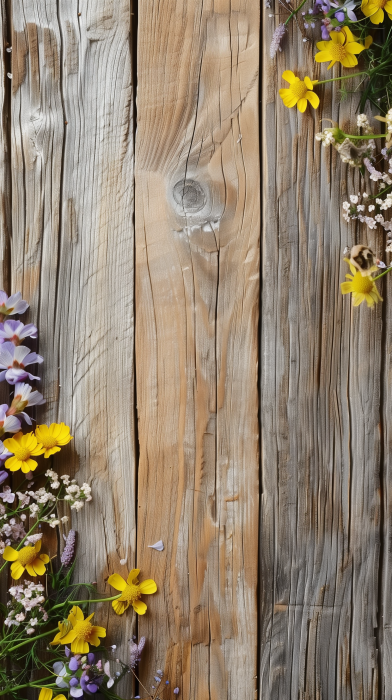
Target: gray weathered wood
{"x": 320, "y": 408}
{"x": 72, "y": 253}
{"x": 197, "y": 281}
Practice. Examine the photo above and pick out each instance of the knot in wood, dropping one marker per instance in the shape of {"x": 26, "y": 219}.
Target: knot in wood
{"x": 190, "y": 195}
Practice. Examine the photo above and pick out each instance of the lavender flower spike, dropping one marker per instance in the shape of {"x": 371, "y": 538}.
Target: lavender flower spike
{"x": 279, "y": 33}
{"x": 69, "y": 549}
{"x": 135, "y": 651}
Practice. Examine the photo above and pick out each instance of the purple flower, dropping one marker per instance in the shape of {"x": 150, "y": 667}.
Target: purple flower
{"x": 340, "y": 16}
{"x": 8, "y": 424}
{"x": 279, "y": 33}
{"x": 73, "y": 681}
{"x": 13, "y": 361}
{"x": 176, "y": 691}
{"x": 69, "y": 551}
{"x": 16, "y": 331}
{"x": 3, "y": 476}
{"x": 13, "y": 304}
{"x": 91, "y": 658}
{"x": 135, "y": 651}
{"x": 73, "y": 664}
{"x": 67, "y": 651}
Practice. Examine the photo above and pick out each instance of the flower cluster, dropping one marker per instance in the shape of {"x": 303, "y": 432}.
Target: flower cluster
{"x": 25, "y": 608}
{"x": 79, "y": 674}
{"x": 76, "y": 495}
{"x": 368, "y": 211}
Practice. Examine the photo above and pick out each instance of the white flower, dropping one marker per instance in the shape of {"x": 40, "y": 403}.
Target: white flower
{"x": 34, "y": 509}
{"x": 7, "y": 495}
{"x": 30, "y": 630}
{"x": 64, "y": 519}
{"x": 24, "y": 397}
{"x": 354, "y": 198}
{"x": 8, "y": 424}
{"x": 16, "y": 331}
{"x": 13, "y": 304}
{"x": 14, "y": 360}
{"x": 20, "y": 617}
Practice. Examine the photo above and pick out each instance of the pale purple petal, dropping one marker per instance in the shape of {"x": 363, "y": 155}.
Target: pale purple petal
{"x": 57, "y": 667}
{"x": 3, "y": 476}
{"x": 73, "y": 682}
{"x": 76, "y": 692}
{"x": 339, "y": 16}
{"x": 21, "y": 353}
{"x": 30, "y": 359}
{"x": 11, "y": 424}
{"x": 351, "y": 15}
{"x": 26, "y": 417}
{"x": 92, "y": 688}
{"x": 67, "y": 651}
{"x": 73, "y": 664}
{"x": 7, "y": 355}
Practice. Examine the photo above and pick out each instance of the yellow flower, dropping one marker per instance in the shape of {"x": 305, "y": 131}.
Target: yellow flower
{"x": 78, "y": 632}
{"x": 362, "y": 287}
{"x": 341, "y": 48}
{"x": 375, "y": 10}
{"x": 131, "y": 591}
{"x": 51, "y": 437}
{"x": 47, "y": 694}
{"x": 299, "y": 92}
{"x": 26, "y": 558}
{"x": 23, "y": 447}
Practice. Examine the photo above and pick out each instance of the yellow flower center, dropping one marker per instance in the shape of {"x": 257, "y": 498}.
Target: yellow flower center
{"x": 337, "y": 52}
{"x": 83, "y": 630}
{"x": 48, "y": 441}
{"x": 131, "y": 593}
{"x": 362, "y": 285}
{"x": 27, "y": 555}
{"x": 299, "y": 89}
{"x": 22, "y": 453}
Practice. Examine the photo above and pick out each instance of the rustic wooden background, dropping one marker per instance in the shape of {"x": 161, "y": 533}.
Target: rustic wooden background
{"x": 130, "y": 219}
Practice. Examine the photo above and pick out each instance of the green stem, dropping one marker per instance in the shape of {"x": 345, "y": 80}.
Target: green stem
{"x": 294, "y": 12}
{"x": 26, "y": 685}
{"x": 365, "y": 136}
{"x": 79, "y": 602}
{"x": 32, "y": 639}
{"x": 382, "y": 274}
{"x": 342, "y": 77}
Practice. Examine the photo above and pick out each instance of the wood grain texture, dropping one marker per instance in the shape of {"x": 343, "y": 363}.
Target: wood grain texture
{"x": 320, "y": 408}
{"x": 72, "y": 253}
{"x": 197, "y": 282}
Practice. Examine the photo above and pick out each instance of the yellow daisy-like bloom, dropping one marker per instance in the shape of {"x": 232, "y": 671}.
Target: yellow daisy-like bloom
{"x": 24, "y": 447}
{"x": 340, "y": 49}
{"x": 363, "y": 288}
{"x": 52, "y": 438}
{"x": 299, "y": 93}
{"x": 79, "y": 632}
{"x": 26, "y": 558}
{"x": 131, "y": 591}
{"x": 375, "y": 10}
{"x": 47, "y": 694}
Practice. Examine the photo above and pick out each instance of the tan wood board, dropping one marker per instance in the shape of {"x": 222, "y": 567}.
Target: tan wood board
{"x": 197, "y": 286}
{"x": 72, "y": 254}
{"x": 321, "y": 371}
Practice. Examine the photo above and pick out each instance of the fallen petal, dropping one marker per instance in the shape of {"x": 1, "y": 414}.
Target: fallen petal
{"x": 159, "y": 546}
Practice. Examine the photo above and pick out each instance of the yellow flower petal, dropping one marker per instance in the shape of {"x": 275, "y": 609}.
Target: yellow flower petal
{"x": 308, "y": 83}
{"x": 79, "y": 646}
{"x": 148, "y": 586}
{"x": 139, "y": 607}
{"x": 132, "y": 577}
{"x": 30, "y": 570}
{"x": 117, "y": 582}
{"x": 38, "y": 567}
{"x": 354, "y": 47}
{"x": 302, "y": 104}
{"x": 17, "y": 570}
{"x": 120, "y": 606}
{"x": 44, "y": 558}
{"x": 10, "y": 554}
{"x": 12, "y": 463}
{"x": 313, "y": 99}
{"x": 289, "y": 76}
{"x": 46, "y": 694}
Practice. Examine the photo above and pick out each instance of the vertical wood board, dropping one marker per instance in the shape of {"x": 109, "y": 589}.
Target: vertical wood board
{"x": 197, "y": 282}
{"x": 320, "y": 408}
{"x": 72, "y": 254}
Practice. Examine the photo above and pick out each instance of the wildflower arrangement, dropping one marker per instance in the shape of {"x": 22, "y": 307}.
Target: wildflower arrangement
{"x": 50, "y": 639}
{"x": 352, "y": 31}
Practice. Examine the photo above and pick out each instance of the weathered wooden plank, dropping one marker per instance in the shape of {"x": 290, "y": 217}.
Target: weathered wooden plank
{"x": 197, "y": 277}
{"x": 320, "y": 522}
{"x": 72, "y": 250}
